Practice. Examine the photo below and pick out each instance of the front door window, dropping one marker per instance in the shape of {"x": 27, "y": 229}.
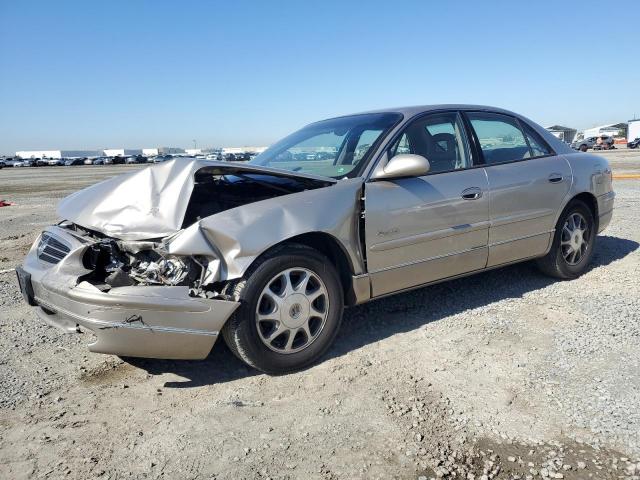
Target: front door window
{"x": 438, "y": 137}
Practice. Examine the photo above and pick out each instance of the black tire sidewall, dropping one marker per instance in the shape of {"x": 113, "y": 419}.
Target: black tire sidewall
{"x": 573, "y": 271}
{"x": 246, "y": 333}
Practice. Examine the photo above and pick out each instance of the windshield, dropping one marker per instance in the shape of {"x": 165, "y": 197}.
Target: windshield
{"x": 333, "y": 148}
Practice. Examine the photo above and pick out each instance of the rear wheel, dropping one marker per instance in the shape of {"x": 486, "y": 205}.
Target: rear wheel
{"x": 573, "y": 243}
{"x": 583, "y": 148}
{"x": 290, "y": 312}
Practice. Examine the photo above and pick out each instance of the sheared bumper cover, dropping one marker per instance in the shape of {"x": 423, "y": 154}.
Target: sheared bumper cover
{"x": 144, "y": 321}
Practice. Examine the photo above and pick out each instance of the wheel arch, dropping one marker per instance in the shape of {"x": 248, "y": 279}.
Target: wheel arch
{"x": 591, "y": 201}
{"x": 330, "y": 247}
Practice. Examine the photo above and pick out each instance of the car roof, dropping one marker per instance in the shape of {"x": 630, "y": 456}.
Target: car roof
{"x": 410, "y": 111}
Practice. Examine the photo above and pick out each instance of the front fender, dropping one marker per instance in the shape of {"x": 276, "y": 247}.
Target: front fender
{"x": 239, "y": 235}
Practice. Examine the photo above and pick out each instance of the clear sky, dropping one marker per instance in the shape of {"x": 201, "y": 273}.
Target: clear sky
{"x": 89, "y": 74}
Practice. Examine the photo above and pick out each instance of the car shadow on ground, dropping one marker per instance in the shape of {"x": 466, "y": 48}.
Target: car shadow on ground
{"x": 219, "y": 367}
{"x": 377, "y": 320}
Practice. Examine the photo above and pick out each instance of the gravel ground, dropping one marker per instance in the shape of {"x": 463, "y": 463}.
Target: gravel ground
{"x": 506, "y": 374}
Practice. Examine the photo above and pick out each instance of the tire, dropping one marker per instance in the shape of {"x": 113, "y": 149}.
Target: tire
{"x": 258, "y": 344}
{"x": 583, "y": 148}
{"x": 562, "y": 260}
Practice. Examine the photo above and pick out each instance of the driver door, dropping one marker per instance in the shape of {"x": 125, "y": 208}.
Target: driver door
{"x": 423, "y": 229}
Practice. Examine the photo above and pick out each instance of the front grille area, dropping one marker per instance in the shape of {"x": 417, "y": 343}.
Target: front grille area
{"x": 52, "y": 249}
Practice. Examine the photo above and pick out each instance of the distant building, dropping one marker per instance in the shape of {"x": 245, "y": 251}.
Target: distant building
{"x": 235, "y": 150}
{"x": 199, "y": 151}
{"x": 566, "y": 134}
{"x": 150, "y": 152}
{"x": 611, "y": 130}
{"x": 122, "y": 152}
{"x": 26, "y": 154}
{"x": 633, "y": 129}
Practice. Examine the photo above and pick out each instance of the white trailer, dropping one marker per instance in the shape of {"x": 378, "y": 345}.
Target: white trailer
{"x": 633, "y": 129}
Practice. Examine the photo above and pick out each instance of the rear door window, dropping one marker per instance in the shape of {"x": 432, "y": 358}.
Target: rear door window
{"x": 500, "y": 137}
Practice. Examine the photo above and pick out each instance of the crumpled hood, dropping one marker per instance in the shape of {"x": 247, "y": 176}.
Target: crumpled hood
{"x": 149, "y": 203}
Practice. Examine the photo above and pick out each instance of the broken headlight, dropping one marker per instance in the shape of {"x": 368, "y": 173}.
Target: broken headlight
{"x": 171, "y": 270}
{"x": 118, "y": 264}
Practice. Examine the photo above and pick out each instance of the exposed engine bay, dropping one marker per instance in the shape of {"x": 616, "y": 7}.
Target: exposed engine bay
{"x": 216, "y": 193}
{"x": 118, "y": 263}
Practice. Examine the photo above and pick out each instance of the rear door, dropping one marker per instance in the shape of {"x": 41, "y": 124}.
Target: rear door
{"x": 527, "y": 185}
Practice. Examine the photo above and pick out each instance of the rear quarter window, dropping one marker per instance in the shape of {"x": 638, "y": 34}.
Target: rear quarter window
{"x": 539, "y": 148}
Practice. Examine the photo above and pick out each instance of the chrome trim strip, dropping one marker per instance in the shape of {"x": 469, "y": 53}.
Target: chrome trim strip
{"x": 453, "y": 277}
{"x": 429, "y": 236}
{"x": 502, "y": 242}
{"x": 437, "y": 257}
{"x": 610, "y": 195}
{"x": 100, "y": 325}
{"x": 520, "y": 217}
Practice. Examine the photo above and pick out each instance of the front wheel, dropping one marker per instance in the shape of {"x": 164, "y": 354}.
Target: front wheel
{"x": 290, "y": 312}
{"x": 573, "y": 243}
{"x": 583, "y": 148}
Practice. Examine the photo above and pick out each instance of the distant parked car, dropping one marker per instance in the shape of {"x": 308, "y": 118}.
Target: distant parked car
{"x": 10, "y": 162}
{"x": 237, "y": 157}
{"x": 604, "y": 142}
{"x": 2, "y": 164}
{"x": 634, "y": 143}
{"x": 55, "y": 162}
{"x": 162, "y": 158}
{"x": 74, "y": 161}
{"x": 100, "y": 160}
{"x": 590, "y": 142}
{"x": 136, "y": 159}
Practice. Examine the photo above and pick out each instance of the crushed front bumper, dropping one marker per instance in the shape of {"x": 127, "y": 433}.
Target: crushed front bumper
{"x": 137, "y": 321}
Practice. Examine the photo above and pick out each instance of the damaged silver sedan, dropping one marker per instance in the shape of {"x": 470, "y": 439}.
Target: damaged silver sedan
{"x": 159, "y": 262}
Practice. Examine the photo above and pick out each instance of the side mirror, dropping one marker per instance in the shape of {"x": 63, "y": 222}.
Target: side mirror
{"x": 402, "y": 166}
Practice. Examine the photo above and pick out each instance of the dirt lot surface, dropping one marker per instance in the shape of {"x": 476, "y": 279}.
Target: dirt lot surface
{"x": 506, "y": 374}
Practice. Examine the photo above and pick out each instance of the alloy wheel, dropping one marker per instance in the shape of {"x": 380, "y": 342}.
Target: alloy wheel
{"x": 574, "y": 240}
{"x": 292, "y": 310}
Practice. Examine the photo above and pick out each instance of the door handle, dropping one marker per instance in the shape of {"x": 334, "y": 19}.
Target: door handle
{"x": 555, "y": 178}
{"x": 472, "y": 193}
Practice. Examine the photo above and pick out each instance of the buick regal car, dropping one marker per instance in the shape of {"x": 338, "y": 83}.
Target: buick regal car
{"x": 161, "y": 261}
